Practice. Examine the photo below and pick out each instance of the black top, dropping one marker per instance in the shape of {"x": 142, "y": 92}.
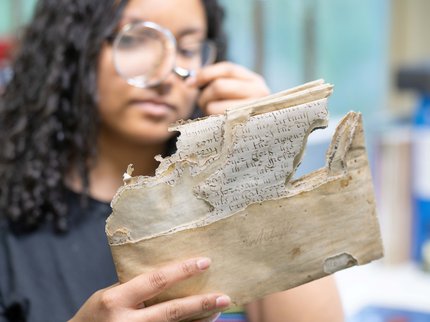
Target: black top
{"x": 53, "y": 274}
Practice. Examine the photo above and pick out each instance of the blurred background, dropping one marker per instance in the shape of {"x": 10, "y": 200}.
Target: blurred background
{"x": 377, "y": 54}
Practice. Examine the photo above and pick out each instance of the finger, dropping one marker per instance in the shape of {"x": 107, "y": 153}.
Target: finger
{"x": 146, "y": 286}
{"x": 223, "y": 69}
{"x": 230, "y": 89}
{"x": 184, "y": 308}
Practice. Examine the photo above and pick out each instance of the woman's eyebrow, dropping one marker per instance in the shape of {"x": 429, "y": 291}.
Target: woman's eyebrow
{"x": 191, "y": 31}
{"x": 130, "y": 19}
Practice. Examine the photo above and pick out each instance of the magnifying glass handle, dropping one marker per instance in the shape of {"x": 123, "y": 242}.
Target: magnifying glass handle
{"x": 186, "y": 73}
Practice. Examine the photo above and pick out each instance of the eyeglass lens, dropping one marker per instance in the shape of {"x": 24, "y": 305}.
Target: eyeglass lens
{"x": 145, "y": 54}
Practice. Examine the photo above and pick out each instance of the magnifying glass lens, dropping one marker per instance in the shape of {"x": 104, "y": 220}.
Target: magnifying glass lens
{"x": 143, "y": 54}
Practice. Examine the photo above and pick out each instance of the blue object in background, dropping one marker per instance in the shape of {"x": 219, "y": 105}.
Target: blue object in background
{"x": 421, "y": 177}
{"x": 5, "y": 76}
{"x": 380, "y": 314}
{"x": 417, "y": 78}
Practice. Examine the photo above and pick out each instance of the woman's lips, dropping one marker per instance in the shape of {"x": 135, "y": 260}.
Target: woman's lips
{"x": 156, "y": 109}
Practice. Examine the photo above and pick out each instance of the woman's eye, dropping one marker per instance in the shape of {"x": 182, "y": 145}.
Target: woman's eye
{"x": 129, "y": 42}
{"x": 190, "y": 50}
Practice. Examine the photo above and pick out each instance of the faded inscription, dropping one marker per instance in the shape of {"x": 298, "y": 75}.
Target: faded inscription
{"x": 262, "y": 159}
{"x": 266, "y": 236}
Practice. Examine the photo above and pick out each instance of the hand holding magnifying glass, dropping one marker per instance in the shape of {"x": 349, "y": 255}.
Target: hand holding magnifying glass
{"x": 226, "y": 85}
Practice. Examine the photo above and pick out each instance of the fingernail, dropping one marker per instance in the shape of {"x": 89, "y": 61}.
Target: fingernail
{"x": 223, "y": 301}
{"x": 203, "y": 263}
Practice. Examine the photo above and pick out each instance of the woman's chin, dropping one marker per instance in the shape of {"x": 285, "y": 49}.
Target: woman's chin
{"x": 153, "y": 137}
{"x": 142, "y": 134}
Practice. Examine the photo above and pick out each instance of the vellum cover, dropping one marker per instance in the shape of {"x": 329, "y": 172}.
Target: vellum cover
{"x": 228, "y": 194}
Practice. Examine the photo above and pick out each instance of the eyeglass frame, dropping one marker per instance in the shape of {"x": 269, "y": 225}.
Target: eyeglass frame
{"x": 181, "y": 72}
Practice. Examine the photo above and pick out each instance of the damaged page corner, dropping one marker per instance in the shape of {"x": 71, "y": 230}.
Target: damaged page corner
{"x": 228, "y": 194}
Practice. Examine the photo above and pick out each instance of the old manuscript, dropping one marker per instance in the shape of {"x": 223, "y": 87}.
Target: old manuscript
{"x": 228, "y": 194}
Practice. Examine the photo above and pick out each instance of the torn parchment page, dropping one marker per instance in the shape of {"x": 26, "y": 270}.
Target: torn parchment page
{"x": 228, "y": 194}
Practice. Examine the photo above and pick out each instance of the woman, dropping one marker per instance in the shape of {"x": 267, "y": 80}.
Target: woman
{"x": 70, "y": 123}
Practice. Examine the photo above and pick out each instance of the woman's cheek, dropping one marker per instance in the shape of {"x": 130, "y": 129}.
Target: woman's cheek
{"x": 190, "y": 102}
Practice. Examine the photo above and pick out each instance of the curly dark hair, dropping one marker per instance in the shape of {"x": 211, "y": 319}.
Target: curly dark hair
{"x": 48, "y": 112}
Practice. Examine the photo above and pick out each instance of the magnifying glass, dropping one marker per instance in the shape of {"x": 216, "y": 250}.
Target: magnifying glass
{"x": 144, "y": 54}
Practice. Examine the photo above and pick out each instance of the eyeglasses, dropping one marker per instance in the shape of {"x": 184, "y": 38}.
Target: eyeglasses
{"x": 144, "y": 54}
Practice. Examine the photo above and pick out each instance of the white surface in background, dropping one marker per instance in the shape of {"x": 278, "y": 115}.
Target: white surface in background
{"x": 421, "y": 162}
{"x": 314, "y": 156}
{"x": 404, "y": 287}
{"x": 324, "y": 135}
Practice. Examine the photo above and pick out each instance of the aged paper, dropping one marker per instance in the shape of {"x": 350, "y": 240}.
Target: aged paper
{"x": 227, "y": 194}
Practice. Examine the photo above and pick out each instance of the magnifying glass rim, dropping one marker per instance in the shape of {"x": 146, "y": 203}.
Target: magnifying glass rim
{"x": 148, "y": 24}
